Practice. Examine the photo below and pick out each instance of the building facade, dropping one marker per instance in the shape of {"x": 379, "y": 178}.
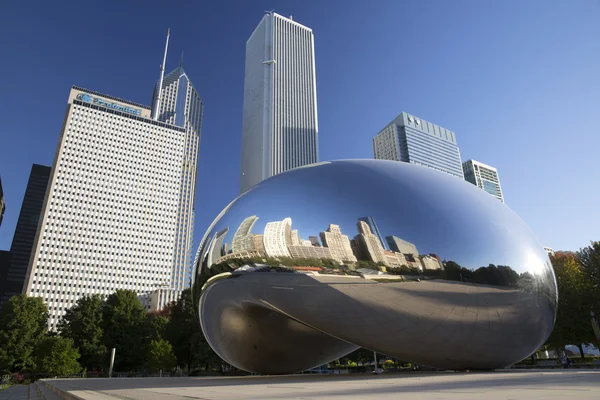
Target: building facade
{"x": 280, "y": 126}
{"x": 375, "y": 230}
{"x": 370, "y": 247}
{"x": 242, "y": 239}
{"x": 338, "y": 244}
{"x": 484, "y": 177}
{"x": 309, "y": 251}
{"x": 24, "y": 237}
{"x": 277, "y": 238}
{"x": 111, "y": 215}
{"x": 216, "y": 249}
{"x": 180, "y": 105}
{"x": 411, "y": 139}
{"x": 402, "y": 246}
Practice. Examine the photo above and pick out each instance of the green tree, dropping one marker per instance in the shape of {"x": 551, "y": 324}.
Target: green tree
{"x": 572, "y": 319}
{"x": 124, "y": 328}
{"x": 185, "y": 335}
{"x": 83, "y": 324}
{"x": 156, "y": 326}
{"x": 56, "y": 355}
{"x": 589, "y": 259}
{"x": 160, "y": 356}
{"x": 23, "y": 323}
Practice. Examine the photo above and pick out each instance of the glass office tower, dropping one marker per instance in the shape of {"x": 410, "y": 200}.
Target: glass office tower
{"x": 483, "y": 176}
{"x": 411, "y": 139}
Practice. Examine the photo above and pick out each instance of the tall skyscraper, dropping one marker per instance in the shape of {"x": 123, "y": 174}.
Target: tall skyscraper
{"x": 280, "y": 126}
{"x": 178, "y": 103}
{"x": 410, "y": 139}
{"x": 112, "y": 214}
{"x": 484, "y": 177}
{"x": 27, "y": 224}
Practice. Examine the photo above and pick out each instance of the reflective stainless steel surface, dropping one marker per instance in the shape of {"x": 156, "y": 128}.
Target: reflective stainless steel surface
{"x": 410, "y": 262}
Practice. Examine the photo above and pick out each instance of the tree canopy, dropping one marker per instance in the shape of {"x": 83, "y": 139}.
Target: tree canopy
{"x": 124, "y": 318}
{"x": 83, "y": 324}
{"x": 56, "y": 356}
{"x": 23, "y": 324}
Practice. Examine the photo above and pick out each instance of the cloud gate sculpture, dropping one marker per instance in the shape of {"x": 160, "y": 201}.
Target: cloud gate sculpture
{"x": 313, "y": 263}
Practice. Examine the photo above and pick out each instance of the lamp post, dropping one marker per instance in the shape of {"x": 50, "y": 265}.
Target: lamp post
{"x": 112, "y": 362}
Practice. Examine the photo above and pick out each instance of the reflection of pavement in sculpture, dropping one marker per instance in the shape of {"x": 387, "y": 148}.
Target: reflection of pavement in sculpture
{"x": 472, "y": 326}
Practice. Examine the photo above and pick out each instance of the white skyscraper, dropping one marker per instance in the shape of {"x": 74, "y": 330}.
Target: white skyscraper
{"x": 112, "y": 213}
{"x": 484, "y": 177}
{"x": 280, "y": 126}
{"x": 178, "y": 103}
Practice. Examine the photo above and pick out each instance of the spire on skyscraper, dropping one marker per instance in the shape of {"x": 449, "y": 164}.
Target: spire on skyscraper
{"x": 162, "y": 75}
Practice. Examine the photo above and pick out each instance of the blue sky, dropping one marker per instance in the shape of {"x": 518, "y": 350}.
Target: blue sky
{"x": 518, "y": 81}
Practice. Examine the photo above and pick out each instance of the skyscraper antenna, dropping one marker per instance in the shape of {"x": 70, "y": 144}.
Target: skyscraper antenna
{"x": 181, "y": 61}
{"x": 160, "y": 81}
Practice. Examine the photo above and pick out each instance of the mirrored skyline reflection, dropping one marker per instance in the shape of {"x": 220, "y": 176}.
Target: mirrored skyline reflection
{"x": 422, "y": 207}
{"x": 322, "y": 255}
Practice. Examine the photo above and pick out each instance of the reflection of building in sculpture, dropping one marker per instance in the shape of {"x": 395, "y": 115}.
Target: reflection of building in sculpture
{"x": 402, "y": 246}
{"x": 430, "y": 262}
{"x": 393, "y": 259}
{"x": 215, "y": 250}
{"x": 277, "y": 238}
{"x": 295, "y": 237}
{"x": 242, "y": 239}
{"x": 375, "y": 230}
{"x": 255, "y": 248}
{"x": 368, "y": 244}
{"x": 309, "y": 251}
{"x": 314, "y": 240}
{"x": 338, "y": 244}
{"x": 412, "y": 260}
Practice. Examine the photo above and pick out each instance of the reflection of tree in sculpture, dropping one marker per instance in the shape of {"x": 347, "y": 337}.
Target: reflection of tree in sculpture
{"x": 500, "y": 275}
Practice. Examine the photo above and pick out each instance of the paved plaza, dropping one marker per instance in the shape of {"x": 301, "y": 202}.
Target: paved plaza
{"x": 532, "y": 384}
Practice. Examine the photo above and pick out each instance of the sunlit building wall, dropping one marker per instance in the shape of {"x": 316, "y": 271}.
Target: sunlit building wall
{"x": 279, "y": 126}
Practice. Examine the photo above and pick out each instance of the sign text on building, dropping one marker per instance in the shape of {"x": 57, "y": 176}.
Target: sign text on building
{"x": 101, "y": 102}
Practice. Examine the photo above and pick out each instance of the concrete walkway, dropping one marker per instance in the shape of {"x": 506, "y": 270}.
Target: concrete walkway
{"x": 580, "y": 384}
{"x": 17, "y": 392}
